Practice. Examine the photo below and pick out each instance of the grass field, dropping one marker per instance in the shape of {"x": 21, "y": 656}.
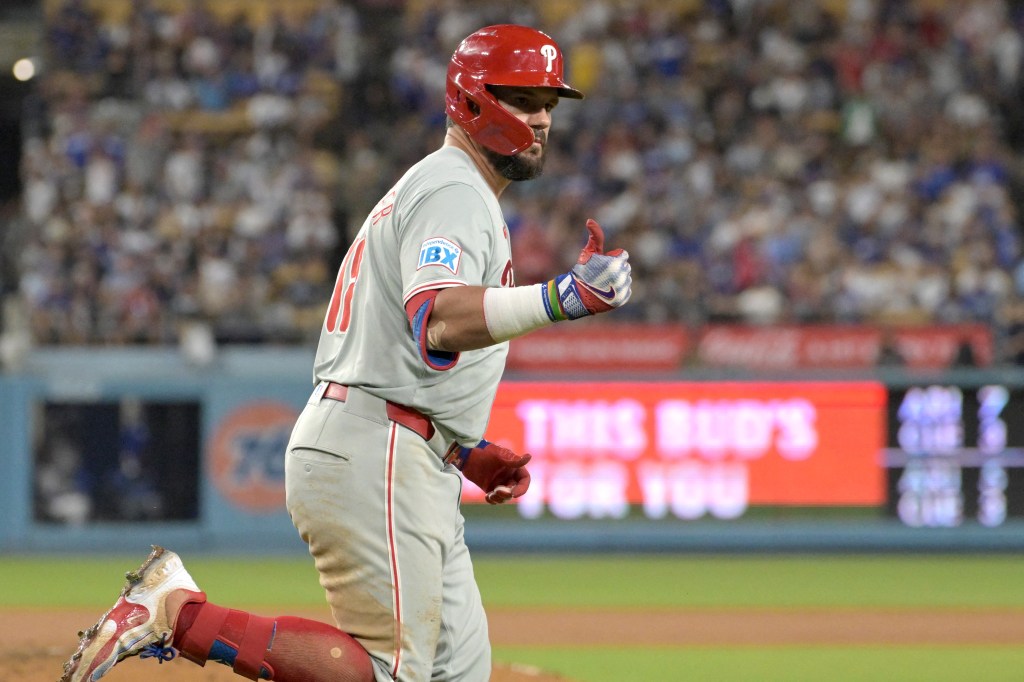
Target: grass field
{"x": 628, "y": 585}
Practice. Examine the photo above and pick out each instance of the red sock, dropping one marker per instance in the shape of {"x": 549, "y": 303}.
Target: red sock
{"x": 284, "y": 649}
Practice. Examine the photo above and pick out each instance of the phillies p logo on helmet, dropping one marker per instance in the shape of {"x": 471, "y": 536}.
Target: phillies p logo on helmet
{"x": 549, "y": 52}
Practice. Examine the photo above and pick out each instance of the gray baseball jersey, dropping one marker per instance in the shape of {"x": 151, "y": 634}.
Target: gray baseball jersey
{"x": 372, "y": 498}
{"x": 440, "y": 226}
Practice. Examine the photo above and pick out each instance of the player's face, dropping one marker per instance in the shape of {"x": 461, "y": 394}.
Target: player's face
{"x": 533, "y": 107}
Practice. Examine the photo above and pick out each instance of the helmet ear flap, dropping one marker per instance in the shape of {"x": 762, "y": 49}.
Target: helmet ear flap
{"x": 502, "y": 132}
{"x": 483, "y": 117}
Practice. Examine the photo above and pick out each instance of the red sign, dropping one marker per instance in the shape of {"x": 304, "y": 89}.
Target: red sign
{"x": 601, "y": 347}
{"x": 692, "y": 449}
{"x": 611, "y": 347}
{"x": 841, "y": 347}
{"x": 940, "y": 346}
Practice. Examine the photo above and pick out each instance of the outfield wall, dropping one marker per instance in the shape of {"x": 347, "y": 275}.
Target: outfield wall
{"x": 223, "y": 427}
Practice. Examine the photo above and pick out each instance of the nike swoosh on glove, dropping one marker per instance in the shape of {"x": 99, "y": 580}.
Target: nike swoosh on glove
{"x": 599, "y": 281}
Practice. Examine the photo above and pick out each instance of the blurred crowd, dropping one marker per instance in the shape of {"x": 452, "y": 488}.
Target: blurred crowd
{"x": 762, "y": 161}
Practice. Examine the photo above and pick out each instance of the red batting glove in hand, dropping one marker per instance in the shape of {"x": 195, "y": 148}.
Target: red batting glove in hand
{"x": 599, "y": 281}
{"x": 498, "y": 471}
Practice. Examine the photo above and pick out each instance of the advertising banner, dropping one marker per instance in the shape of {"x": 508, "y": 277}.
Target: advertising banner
{"x": 601, "y": 347}
{"x": 691, "y": 450}
{"x": 610, "y": 347}
{"x": 843, "y": 347}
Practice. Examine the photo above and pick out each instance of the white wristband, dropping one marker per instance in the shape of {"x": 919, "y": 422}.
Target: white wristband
{"x": 514, "y": 311}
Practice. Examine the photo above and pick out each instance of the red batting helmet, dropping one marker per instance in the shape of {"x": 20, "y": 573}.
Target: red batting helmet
{"x": 505, "y": 54}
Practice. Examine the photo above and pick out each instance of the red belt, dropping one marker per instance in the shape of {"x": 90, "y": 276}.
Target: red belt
{"x": 414, "y": 420}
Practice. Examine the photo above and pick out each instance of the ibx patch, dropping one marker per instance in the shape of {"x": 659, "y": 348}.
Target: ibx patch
{"x": 440, "y": 251}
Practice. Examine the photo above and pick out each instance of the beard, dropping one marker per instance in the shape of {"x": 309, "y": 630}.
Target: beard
{"x": 517, "y": 168}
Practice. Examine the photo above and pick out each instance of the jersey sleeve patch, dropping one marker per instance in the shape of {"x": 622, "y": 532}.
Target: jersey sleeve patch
{"x": 440, "y": 252}
{"x": 418, "y": 309}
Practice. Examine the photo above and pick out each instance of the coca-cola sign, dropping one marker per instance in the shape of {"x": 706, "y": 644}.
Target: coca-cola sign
{"x": 843, "y": 347}
{"x": 629, "y": 347}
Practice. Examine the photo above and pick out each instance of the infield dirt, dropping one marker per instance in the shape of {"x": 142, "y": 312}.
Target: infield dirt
{"x": 35, "y": 643}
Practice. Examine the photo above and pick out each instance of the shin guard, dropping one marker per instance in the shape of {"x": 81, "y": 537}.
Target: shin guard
{"x": 235, "y": 638}
{"x": 284, "y": 649}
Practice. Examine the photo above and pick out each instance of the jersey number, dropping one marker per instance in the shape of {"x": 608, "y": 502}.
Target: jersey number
{"x": 341, "y": 302}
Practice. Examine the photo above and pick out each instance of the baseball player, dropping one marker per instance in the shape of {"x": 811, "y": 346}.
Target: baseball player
{"x": 410, "y": 356}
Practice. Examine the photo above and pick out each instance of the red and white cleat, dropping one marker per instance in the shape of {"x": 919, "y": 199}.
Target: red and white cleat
{"x": 138, "y": 624}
